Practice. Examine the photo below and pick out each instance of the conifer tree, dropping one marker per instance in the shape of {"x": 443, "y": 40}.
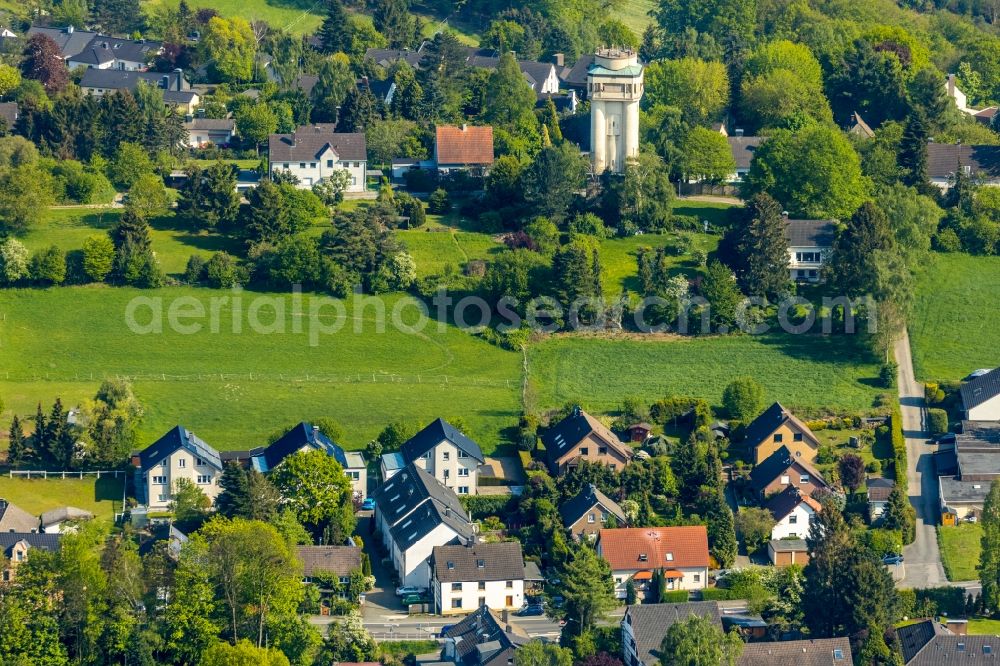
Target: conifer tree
{"x": 913, "y": 150}
{"x": 335, "y": 33}
{"x": 16, "y": 449}
{"x": 38, "y": 438}
{"x": 551, "y": 117}
{"x": 763, "y": 249}
{"x": 852, "y": 266}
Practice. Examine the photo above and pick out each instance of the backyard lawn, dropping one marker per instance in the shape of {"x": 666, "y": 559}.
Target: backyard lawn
{"x": 955, "y": 327}
{"x": 960, "y": 550}
{"x": 102, "y": 497}
{"x": 983, "y": 626}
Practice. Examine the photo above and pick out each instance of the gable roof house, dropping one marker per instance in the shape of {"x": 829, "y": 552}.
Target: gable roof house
{"x": 645, "y": 625}
{"x": 414, "y": 513}
{"x": 337, "y": 562}
{"x": 775, "y": 428}
{"x": 981, "y": 397}
{"x": 634, "y": 553}
{"x": 62, "y": 519}
{"x": 15, "y": 548}
{"x": 879, "y": 490}
{"x": 780, "y": 470}
{"x": 469, "y": 147}
{"x": 927, "y": 643}
{"x": 465, "y": 577}
{"x": 177, "y": 92}
{"x": 743, "y": 149}
{"x": 103, "y": 52}
{"x": 792, "y": 512}
{"x": 202, "y": 132}
{"x": 444, "y": 452}
{"x": 179, "y": 454}
{"x": 809, "y": 244}
{"x": 977, "y": 464}
{"x": 575, "y": 77}
{"x": 981, "y": 163}
{"x": 15, "y": 519}
{"x": 307, "y": 437}
{"x": 815, "y": 652}
{"x": 543, "y": 77}
{"x": 482, "y": 639}
{"x": 69, "y": 40}
{"x": 859, "y": 127}
{"x": 587, "y": 513}
{"x": 313, "y": 153}
{"x": 580, "y": 437}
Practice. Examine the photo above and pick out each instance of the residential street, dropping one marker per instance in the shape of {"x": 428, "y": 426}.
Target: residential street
{"x": 921, "y": 558}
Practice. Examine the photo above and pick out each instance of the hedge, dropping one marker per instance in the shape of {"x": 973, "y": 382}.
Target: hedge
{"x": 899, "y": 469}
{"x": 674, "y": 597}
{"x": 715, "y": 594}
{"x": 937, "y": 421}
{"x": 483, "y": 506}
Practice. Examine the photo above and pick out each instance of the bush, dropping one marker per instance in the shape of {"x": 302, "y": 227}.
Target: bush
{"x": 439, "y": 203}
{"x": 937, "y": 421}
{"x": 48, "y": 266}
{"x": 421, "y": 180}
{"x": 222, "y": 271}
{"x": 887, "y": 375}
{"x": 941, "y": 600}
{"x": 947, "y": 240}
{"x": 687, "y": 222}
{"x": 715, "y": 594}
{"x": 933, "y": 393}
{"x": 743, "y": 399}
{"x": 874, "y": 467}
{"x": 674, "y": 597}
{"x": 483, "y": 506}
{"x": 195, "y": 271}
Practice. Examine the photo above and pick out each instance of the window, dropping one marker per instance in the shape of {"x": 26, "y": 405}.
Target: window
{"x": 302, "y": 165}
{"x": 480, "y": 564}
{"x": 463, "y": 490}
{"x": 161, "y": 498}
{"x": 354, "y": 180}
{"x": 482, "y": 602}
{"x": 456, "y": 587}
{"x": 456, "y": 602}
{"x": 427, "y": 456}
{"x": 344, "y": 580}
{"x": 643, "y": 557}
{"x": 482, "y": 585}
{"x": 602, "y": 450}
{"x": 181, "y": 462}
{"x": 462, "y": 454}
{"x": 804, "y": 478}
{"x": 838, "y": 654}
{"x": 463, "y": 472}
{"x": 20, "y": 556}
{"x": 797, "y": 437}
{"x": 510, "y": 585}
{"x": 793, "y": 519}
{"x": 329, "y": 163}
{"x": 604, "y": 516}
{"x": 785, "y": 480}
{"x": 584, "y": 451}
{"x": 778, "y": 436}
{"x": 199, "y": 461}
{"x": 163, "y": 463}
{"x": 697, "y": 578}
{"x": 285, "y": 165}
{"x": 446, "y": 456}
{"x": 670, "y": 557}
{"x": 591, "y": 518}
{"x": 451, "y": 565}
{"x": 447, "y": 474}
{"x": 159, "y": 480}
{"x": 204, "y": 479}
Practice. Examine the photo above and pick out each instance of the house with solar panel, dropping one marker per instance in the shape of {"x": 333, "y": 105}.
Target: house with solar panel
{"x": 307, "y": 437}
{"x": 413, "y": 514}
{"x": 179, "y": 454}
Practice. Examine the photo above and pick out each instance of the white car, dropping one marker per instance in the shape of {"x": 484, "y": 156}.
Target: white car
{"x": 408, "y": 589}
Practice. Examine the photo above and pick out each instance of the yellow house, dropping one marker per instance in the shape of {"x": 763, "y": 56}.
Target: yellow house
{"x": 778, "y": 427}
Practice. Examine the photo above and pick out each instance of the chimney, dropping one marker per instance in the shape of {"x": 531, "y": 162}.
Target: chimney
{"x": 559, "y": 59}
{"x": 464, "y": 127}
{"x": 180, "y": 78}
{"x": 784, "y": 214}
{"x": 738, "y": 131}
{"x": 104, "y": 45}
{"x": 69, "y": 29}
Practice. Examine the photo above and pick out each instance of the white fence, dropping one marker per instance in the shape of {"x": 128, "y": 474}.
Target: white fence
{"x": 45, "y": 474}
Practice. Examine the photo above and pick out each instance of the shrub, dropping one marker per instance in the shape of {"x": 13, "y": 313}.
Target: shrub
{"x": 98, "y": 256}
{"x": 947, "y": 240}
{"x": 715, "y": 594}
{"x": 874, "y": 467}
{"x": 588, "y": 224}
{"x": 933, "y": 393}
{"x": 937, "y": 421}
{"x": 743, "y": 399}
{"x": 887, "y": 375}
{"x": 421, "y": 180}
{"x": 688, "y": 222}
{"x": 222, "y": 272}
{"x": 195, "y": 271}
{"x": 674, "y": 597}
{"x": 439, "y": 203}
{"x": 482, "y": 506}
{"x": 48, "y": 266}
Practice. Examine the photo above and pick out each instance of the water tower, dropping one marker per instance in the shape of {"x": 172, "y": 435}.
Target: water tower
{"x": 614, "y": 88}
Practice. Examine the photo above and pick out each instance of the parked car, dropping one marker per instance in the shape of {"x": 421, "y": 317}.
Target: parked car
{"x": 411, "y": 599}
{"x": 368, "y": 504}
{"x": 406, "y": 590}
{"x": 892, "y": 559}
{"x": 528, "y": 611}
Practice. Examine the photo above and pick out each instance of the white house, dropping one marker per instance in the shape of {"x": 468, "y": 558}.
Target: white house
{"x": 203, "y": 132}
{"x": 792, "y": 512}
{"x": 464, "y": 578}
{"x": 981, "y": 397}
{"x": 390, "y": 463}
{"x": 879, "y": 490}
{"x": 448, "y": 455}
{"x": 179, "y": 454}
{"x": 809, "y": 244}
{"x": 634, "y": 553}
{"x": 91, "y": 50}
{"x": 63, "y": 519}
{"x": 413, "y": 514}
{"x": 307, "y": 437}
{"x": 313, "y": 153}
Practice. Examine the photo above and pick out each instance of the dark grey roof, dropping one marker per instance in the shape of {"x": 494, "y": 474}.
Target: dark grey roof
{"x": 743, "y": 148}
{"x": 879, "y": 489}
{"x": 478, "y": 562}
{"x": 955, "y": 491}
{"x": 435, "y": 433}
{"x": 306, "y": 83}
{"x": 785, "y": 502}
{"x": 9, "y": 112}
{"x": 816, "y": 652}
{"x": 34, "y": 540}
{"x": 775, "y": 465}
{"x": 577, "y": 507}
{"x": 178, "y": 438}
{"x": 302, "y": 435}
{"x": 943, "y": 159}
{"x": 789, "y": 545}
{"x": 114, "y": 79}
{"x": 407, "y": 489}
{"x": 337, "y": 560}
{"x": 179, "y": 96}
{"x": 429, "y": 515}
{"x": 977, "y": 450}
{"x": 309, "y": 142}
{"x": 102, "y": 49}
{"x": 566, "y": 434}
{"x": 211, "y": 124}
{"x": 69, "y": 40}
{"x": 984, "y": 387}
{"x": 913, "y": 637}
{"x": 650, "y": 623}
{"x": 944, "y": 650}
{"x": 810, "y": 233}
{"x": 576, "y": 76}
{"x": 64, "y": 513}
{"x": 535, "y": 72}
{"x": 15, "y": 519}
{"x": 386, "y": 57}
{"x": 483, "y": 627}
{"x": 770, "y": 420}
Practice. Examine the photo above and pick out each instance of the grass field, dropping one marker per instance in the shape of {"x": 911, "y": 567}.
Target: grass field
{"x": 173, "y": 242}
{"x": 960, "y": 548}
{"x": 234, "y": 389}
{"x": 434, "y": 250}
{"x": 295, "y": 16}
{"x": 955, "y": 327}
{"x": 102, "y": 497}
{"x": 634, "y": 14}
{"x": 814, "y": 374}
{"x": 983, "y": 626}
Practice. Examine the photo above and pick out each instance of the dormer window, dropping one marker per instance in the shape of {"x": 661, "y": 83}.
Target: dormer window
{"x": 451, "y": 565}
{"x": 670, "y": 557}
{"x": 643, "y": 557}
{"x": 480, "y": 564}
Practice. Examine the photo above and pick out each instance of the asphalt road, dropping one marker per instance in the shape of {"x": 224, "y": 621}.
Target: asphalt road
{"x": 921, "y": 558}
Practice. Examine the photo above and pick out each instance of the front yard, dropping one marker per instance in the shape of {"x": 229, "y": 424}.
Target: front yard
{"x": 960, "y": 551}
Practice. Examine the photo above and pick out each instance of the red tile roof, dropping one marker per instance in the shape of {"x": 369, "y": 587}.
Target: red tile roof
{"x": 623, "y": 547}
{"x": 466, "y": 145}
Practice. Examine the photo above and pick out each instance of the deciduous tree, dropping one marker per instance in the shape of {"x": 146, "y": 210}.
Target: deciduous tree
{"x": 697, "y": 642}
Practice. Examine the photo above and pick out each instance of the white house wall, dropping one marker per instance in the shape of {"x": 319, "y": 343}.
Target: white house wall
{"x": 695, "y": 578}
{"x": 987, "y": 411}
{"x": 454, "y": 472}
{"x": 179, "y": 465}
{"x": 785, "y": 528}
{"x": 319, "y": 168}
{"x": 494, "y": 595}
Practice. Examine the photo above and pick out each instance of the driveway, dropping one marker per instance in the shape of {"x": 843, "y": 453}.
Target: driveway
{"x": 922, "y": 558}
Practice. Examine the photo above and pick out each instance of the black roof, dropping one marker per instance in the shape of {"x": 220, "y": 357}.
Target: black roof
{"x": 310, "y": 141}
{"x": 115, "y": 79}
{"x": 913, "y": 637}
{"x": 810, "y": 233}
{"x": 483, "y": 628}
{"x": 743, "y": 149}
{"x": 770, "y": 420}
{"x": 435, "y": 433}
{"x": 178, "y": 437}
{"x": 427, "y": 516}
{"x": 944, "y": 159}
{"x": 103, "y": 49}
{"x": 566, "y": 434}
{"x": 785, "y": 502}
{"x": 33, "y": 539}
{"x": 944, "y": 650}
{"x": 576, "y": 76}
{"x": 774, "y": 465}
{"x": 304, "y": 434}
{"x": 577, "y": 507}
{"x": 984, "y": 387}
{"x": 478, "y": 562}
{"x": 408, "y": 490}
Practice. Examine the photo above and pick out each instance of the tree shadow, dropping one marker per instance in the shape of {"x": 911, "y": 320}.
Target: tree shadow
{"x": 109, "y": 488}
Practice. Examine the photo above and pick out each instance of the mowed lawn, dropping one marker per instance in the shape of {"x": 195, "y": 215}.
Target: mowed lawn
{"x": 955, "y": 327}
{"x": 960, "y": 548}
{"x": 436, "y": 248}
{"x": 236, "y": 388}
{"x": 172, "y": 240}
{"x": 634, "y": 14}
{"x": 102, "y": 497}
{"x": 810, "y": 373}
{"x": 298, "y": 17}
